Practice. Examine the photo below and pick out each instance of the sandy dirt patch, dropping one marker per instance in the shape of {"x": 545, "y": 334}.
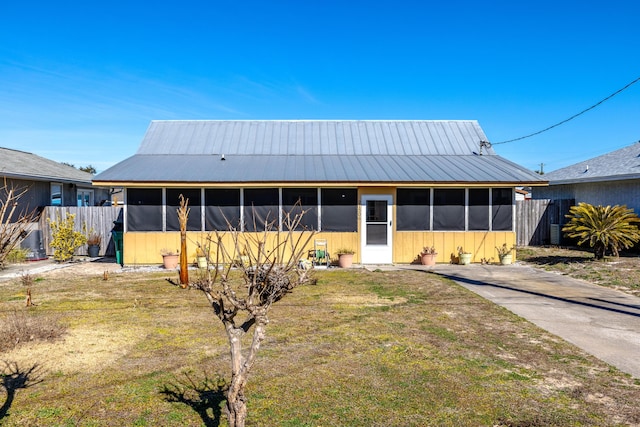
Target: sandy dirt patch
{"x": 80, "y": 350}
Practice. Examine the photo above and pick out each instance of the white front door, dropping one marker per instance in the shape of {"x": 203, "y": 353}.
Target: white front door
{"x": 376, "y": 213}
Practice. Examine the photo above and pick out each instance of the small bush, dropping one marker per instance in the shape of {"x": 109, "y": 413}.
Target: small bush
{"x": 65, "y": 239}
{"x": 19, "y": 327}
{"x": 17, "y": 255}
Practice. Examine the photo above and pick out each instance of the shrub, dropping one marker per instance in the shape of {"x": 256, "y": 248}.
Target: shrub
{"x": 65, "y": 239}
{"x": 17, "y": 255}
{"x": 603, "y": 227}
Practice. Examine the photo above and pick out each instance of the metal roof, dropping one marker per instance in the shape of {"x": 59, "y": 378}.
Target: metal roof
{"x": 312, "y": 151}
{"x": 614, "y": 166}
{"x": 22, "y": 165}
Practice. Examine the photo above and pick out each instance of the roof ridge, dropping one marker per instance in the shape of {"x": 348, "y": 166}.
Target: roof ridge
{"x": 17, "y": 151}
{"x": 318, "y": 120}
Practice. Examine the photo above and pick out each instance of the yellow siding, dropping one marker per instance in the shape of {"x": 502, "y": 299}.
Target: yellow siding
{"x": 145, "y": 247}
{"x": 482, "y": 244}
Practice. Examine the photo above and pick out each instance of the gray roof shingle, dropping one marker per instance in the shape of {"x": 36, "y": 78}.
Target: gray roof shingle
{"x": 616, "y": 165}
{"x": 22, "y": 165}
{"x": 313, "y": 151}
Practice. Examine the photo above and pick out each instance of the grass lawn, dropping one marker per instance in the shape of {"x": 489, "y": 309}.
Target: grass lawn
{"x": 359, "y": 348}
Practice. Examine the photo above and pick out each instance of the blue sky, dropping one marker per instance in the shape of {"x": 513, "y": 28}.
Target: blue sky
{"x": 80, "y": 81}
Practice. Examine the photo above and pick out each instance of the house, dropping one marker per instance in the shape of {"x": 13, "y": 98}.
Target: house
{"x": 383, "y": 188}
{"x": 610, "y": 179}
{"x": 49, "y": 183}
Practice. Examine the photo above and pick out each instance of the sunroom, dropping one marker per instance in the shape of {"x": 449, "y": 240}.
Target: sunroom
{"x": 384, "y": 189}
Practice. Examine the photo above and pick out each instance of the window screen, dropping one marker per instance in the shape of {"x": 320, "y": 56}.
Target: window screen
{"x": 339, "y": 209}
{"x": 502, "y": 209}
{"x": 260, "y": 206}
{"x": 222, "y": 208}
{"x": 412, "y": 209}
{"x": 173, "y": 203}
{"x": 478, "y": 209}
{"x": 448, "y": 209}
{"x": 144, "y": 209}
{"x": 308, "y": 198}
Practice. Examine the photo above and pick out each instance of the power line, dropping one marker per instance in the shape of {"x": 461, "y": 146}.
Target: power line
{"x": 570, "y": 118}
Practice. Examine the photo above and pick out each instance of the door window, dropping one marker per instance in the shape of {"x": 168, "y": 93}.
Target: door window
{"x": 376, "y": 222}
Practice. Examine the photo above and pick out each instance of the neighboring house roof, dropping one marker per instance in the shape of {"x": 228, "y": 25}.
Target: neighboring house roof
{"x": 617, "y": 165}
{"x": 22, "y": 165}
{"x": 313, "y": 151}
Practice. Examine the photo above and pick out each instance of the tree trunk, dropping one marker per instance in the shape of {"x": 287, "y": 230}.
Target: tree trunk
{"x": 240, "y": 368}
{"x": 184, "y": 265}
{"x": 598, "y": 250}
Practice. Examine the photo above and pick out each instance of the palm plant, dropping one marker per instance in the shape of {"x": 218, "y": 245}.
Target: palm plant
{"x": 603, "y": 227}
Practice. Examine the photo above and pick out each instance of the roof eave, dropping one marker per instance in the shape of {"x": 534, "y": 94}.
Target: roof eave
{"x": 26, "y": 177}
{"x": 321, "y": 183}
{"x": 625, "y": 177}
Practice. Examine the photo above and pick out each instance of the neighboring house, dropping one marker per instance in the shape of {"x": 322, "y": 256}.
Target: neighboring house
{"x": 49, "y": 183}
{"x": 523, "y": 193}
{"x": 610, "y": 179}
{"x": 382, "y": 188}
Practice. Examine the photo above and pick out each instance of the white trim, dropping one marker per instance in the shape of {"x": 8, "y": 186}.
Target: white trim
{"x": 202, "y": 209}
{"x": 319, "y": 206}
{"x": 280, "y": 207}
{"x": 466, "y": 209}
{"x": 124, "y": 210}
{"x": 241, "y": 225}
{"x": 164, "y": 209}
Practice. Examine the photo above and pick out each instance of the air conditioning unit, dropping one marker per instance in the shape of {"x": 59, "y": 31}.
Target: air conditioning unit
{"x": 554, "y": 232}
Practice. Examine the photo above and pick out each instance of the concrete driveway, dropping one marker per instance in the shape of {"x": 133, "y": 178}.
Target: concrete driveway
{"x": 601, "y": 321}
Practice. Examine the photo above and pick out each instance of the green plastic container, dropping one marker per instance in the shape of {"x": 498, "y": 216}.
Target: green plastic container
{"x": 117, "y": 243}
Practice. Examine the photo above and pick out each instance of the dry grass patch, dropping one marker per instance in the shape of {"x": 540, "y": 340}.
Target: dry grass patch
{"x": 359, "y": 348}
{"x": 622, "y": 273}
{"x": 21, "y": 327}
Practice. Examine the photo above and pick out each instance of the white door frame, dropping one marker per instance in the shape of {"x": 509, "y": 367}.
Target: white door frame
{"x": 376, "y": 253}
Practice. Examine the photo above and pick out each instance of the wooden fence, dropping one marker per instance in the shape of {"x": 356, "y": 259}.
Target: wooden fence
{"x": 100, "y": 219}
{"x": 534, "y": 219}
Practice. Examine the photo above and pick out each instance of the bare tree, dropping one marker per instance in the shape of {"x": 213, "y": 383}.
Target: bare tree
{"x": 14, "y": 222}
{"x": 249, "y": 289}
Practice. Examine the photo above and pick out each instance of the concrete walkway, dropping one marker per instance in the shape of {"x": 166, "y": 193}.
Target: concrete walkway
{"x": 15, "y": 271}
{"x": 602, "y": 321}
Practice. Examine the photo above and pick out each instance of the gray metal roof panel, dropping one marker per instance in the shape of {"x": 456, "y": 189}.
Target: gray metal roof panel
{"x": 22, "y": 165}
{"x": 357, "y": 137}
{"x": 332, "y": 168}
{"x": 315, "y": 151}
{"x": 616, "y": 165}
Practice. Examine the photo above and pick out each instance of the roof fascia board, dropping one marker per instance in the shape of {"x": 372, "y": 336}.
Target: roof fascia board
{"x": 44, "y": 179}
{"x": 626, "y": 177}
{"x": 456, "y": 184}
